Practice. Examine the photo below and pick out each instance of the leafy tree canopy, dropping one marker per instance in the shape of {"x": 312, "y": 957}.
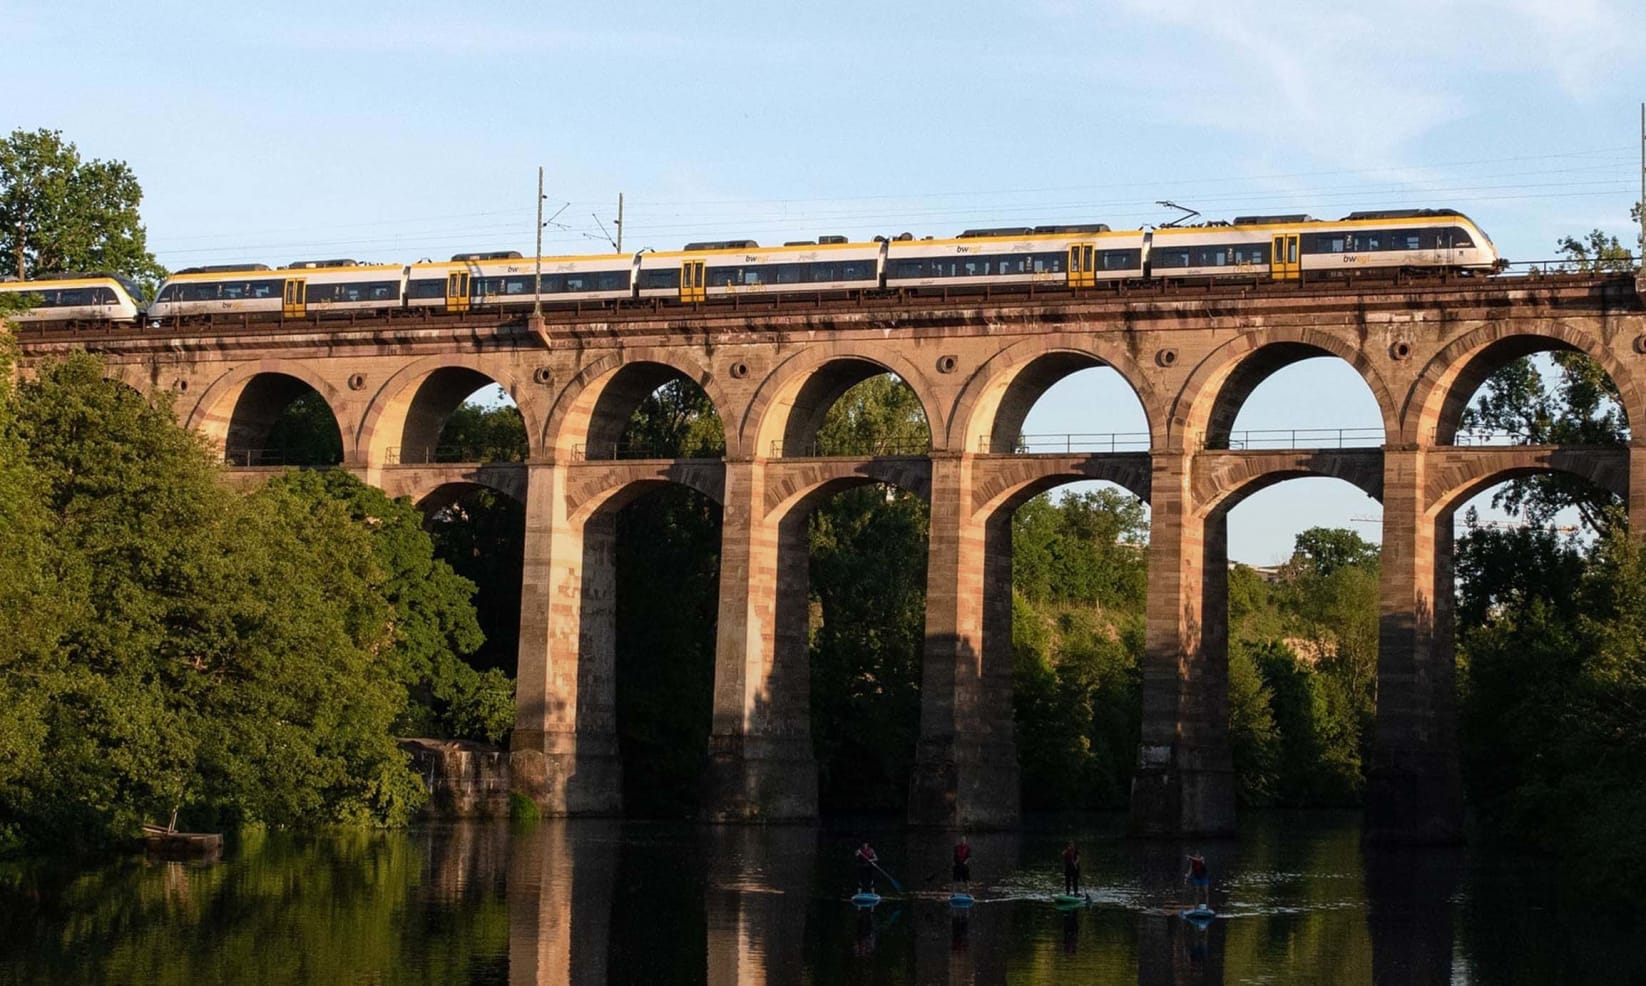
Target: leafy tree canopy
{"x": 59, "y": 213}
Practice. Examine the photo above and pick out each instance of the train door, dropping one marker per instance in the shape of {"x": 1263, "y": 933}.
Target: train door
{"x": 1284, "y": 262}
{"x": 691, "y": 281}
{"x": 1081, "y": 272}
{"x": 457, "y": 291}
{"x": 295, "y": 303}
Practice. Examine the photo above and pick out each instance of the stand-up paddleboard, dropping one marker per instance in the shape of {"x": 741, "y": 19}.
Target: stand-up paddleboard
{"x": 865, "y": 900}
{"x": 1071, "y": 900}
{"x": 1199, "y": 913}
{"x": 960, "y": 900}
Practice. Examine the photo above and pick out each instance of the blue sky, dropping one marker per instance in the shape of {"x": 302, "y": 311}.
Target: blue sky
{"x": 395, "y": 132}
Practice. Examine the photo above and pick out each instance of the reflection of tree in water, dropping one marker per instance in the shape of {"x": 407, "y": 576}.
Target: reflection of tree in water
{"x": 338, "y": 907}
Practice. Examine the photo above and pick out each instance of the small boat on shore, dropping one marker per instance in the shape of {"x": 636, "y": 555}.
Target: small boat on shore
{"x": 164, "y": 843}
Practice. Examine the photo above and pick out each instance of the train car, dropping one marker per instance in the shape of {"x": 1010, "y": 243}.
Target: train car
{"x": 735, "y": 268}
{"x": 505, "y": 280}
{"x": 294, "y": 291}
{"x": 1067, "y": 256}
{"x": 1293, "y": 247}
{"x": 1398, "y": 239}
{"x": 77, "y": 298}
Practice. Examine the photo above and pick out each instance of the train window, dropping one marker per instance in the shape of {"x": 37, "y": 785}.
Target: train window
{"x": 265, "y": 289}
{"x": 1405, "y": 240}
{"x": 1252, "y": 253}
{"x": 613, "y": 280}
{"x": 1177, "y": 257}
{"x": 427, "y": 288}
{"x": 668, "y": 277}
{"x": 1122, "y": 259}
{"x": 1460, "y": 238}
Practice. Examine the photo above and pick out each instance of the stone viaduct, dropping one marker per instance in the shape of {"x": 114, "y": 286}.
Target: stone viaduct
{"x": 977, "y": 365}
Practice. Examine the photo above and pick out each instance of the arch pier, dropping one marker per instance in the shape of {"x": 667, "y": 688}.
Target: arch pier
{"x": 975, "y": 365}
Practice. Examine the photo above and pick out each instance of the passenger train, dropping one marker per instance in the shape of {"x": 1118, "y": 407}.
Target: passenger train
{"x": 1249, "y": 249}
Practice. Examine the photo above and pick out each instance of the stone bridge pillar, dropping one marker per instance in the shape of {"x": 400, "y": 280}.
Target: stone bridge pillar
{"x": 965, "y": 771}
{"x": 1414, "y": 792}
{"x": 761, "y": 766}
{"x": 563, "y": 754}
{"x": 1184, "y": 783}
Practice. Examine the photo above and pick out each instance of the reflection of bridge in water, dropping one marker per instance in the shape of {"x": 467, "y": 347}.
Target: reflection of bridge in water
{"x": 598, "y": 901}
{"x": 977, "y": 366}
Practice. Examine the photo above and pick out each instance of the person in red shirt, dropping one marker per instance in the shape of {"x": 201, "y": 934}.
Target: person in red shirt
{"x": 1071, "y": 868}
{"x": 1198, "y": 875}
{"x": 962, "y": 874}
{"x": 866, "y": 860}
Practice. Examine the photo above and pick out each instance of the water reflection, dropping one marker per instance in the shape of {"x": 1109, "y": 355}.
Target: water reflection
{"x": 1298, "y": 899}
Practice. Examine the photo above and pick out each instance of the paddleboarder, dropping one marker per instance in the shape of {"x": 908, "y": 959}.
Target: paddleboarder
{"x": 866, "y": 860}
{"x": 962, "y": 873}
{"x": 1071, "y": 868}
{"x": 1198, "y": 875}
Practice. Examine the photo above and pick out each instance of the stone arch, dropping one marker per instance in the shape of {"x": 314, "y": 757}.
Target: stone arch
{"x": 799, "y": 500}
{"x": 999, "y": 395}
{"x": 1221, "y": 487}
{"x": 615, "y": 497}
{"x": 215, "y": 414}
{"x": 1454, "y": 483}
{"x": 1435, "y": 403}
{"x": 439, "y": 486}
{"x": 1204, "y": 411}
{"x": 596, "y": 403}
{"x": 1007, "y": 489}
{"x": 789, "y": 407}
{"x": 412, "y": 406}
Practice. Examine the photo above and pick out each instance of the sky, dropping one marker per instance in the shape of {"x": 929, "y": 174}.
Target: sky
{"x": 395, "y": 132}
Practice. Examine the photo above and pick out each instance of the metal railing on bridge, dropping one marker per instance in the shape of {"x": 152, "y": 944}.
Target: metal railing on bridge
{"x": 424, "y": 455}
{"x": 603, "y": 452}
{"x": 1136, "y": 441}
{"x": 274, "y": 458}
{"x": 1301, "y": 438}
{"x": 869, "y": 450}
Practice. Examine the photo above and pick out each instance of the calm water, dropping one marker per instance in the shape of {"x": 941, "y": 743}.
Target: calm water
{"x": 598, "y": 902}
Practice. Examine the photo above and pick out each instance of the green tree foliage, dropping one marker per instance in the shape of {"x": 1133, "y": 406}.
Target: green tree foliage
{"x": 481, "y": 433}
{"x": 61, "y": 213}
{"x": 1554, "y": 700}
{"x": 668, "y": 593}
{"x": 868, "y": 585}
{"x": 305, "y": 433}
{"x": 1079, "y": 574}
{"x": 677, "y": 420}
{"x": 1599, "y": 251}
{"x": 433, "y": 621}
{"x": 1582, "y": 408}
{"x": 216, "y": 654}
{"x": 1303, "y": 671}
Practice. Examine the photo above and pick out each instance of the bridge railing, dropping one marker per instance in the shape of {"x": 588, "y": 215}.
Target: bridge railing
{"x": 269, "y": 458}
{"x": 869, "y": 450}
{"x": 1136, "y": 441}
{"x": 607, "y": 451}
{"x": 423, "y": 455}
{"x": 1290, "y": 438}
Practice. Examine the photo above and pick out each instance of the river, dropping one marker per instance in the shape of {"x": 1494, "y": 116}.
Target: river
{"x": 1298, "y": 900}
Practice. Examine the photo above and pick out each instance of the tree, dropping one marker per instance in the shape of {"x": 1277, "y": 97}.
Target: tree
{"x": 59, "y": 213}
{"x": 217, "y": 655}
{"x": 433, "y": 619}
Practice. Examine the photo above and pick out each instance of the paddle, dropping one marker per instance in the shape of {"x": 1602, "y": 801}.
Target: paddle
{"x": 895, "y": 885}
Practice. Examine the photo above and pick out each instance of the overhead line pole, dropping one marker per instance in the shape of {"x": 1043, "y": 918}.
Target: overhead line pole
{"x": 537, "y": 289}
{"x": 619, "y": 223}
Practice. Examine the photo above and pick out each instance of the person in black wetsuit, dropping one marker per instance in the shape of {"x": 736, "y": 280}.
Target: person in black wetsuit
{"x": 1071, "y": 868}
{"x": 866, "y": 860}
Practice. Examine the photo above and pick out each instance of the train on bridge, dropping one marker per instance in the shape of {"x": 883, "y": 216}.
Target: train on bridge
{"x": 1249, "y": 249}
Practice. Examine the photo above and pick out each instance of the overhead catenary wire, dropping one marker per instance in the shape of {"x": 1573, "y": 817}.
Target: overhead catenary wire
{"x": 926, "y": 214}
